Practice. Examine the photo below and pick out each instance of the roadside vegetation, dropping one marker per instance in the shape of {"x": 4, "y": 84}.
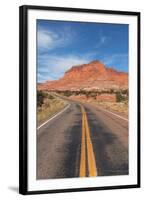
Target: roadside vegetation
{"x": 121, "y": 95}
{"x": 48, "y": 104}
{"x": 112, "y": 99}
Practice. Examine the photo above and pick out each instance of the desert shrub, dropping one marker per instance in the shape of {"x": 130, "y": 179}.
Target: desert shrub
{"x": 40, "y": 98}
{"x": 120, "y": 97}
{"x": 67, "y": 93}
{"x": 125, "y": 92}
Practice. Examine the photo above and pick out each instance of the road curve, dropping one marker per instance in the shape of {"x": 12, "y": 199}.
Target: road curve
{"x": 82, "y": 141}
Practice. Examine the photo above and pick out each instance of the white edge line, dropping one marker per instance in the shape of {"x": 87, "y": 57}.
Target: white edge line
{"x": 53, "y": 117}
{"x": 113, "y": 114}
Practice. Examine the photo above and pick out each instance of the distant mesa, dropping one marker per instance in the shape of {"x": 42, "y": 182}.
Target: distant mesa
{"x": 94, "y": 75}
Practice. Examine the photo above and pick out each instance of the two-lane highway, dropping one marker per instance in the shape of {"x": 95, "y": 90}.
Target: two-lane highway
{"x": 82, "y": 141}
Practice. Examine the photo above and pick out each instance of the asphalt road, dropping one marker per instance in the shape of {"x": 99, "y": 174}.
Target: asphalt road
{"x": 82, "y": 141}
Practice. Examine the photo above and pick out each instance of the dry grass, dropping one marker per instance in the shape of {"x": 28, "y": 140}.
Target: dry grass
{"x": 50, "y": 108}
{"x": 121, "y": 107}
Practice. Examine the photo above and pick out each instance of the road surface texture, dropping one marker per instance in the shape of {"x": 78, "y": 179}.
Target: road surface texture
{"x": 82, "y": 141}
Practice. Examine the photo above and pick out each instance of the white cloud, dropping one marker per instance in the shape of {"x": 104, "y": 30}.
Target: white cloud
{"x": 53, "y": 67}
{"x": 45, "y": 39}
{"x": 102, "y": 41}
{"x": 48, "y": 39}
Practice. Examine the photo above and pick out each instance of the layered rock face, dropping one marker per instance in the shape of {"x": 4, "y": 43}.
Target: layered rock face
{"x": 92, "y": 76}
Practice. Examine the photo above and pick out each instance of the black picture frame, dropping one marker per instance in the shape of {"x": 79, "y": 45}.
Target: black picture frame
{"x": 23, "y": 97}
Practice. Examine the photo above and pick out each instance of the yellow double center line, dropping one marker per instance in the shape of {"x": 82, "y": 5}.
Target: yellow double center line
{"x": 86, "y": 146}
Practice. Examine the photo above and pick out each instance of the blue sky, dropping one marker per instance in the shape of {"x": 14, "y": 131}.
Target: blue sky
{"x": 61, "y": 45}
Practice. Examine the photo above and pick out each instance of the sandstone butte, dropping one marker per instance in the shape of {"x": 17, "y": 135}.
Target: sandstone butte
{"x": 92, "y": 76}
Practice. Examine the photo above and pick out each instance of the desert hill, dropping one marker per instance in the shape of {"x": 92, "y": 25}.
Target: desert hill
{"x": 94, "y": 75}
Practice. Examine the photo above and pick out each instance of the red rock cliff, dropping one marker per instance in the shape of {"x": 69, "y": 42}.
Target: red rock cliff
{"x": 94, "y": 75}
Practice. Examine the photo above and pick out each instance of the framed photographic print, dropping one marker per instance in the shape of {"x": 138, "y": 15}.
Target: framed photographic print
{"x": 79, "y": 99}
